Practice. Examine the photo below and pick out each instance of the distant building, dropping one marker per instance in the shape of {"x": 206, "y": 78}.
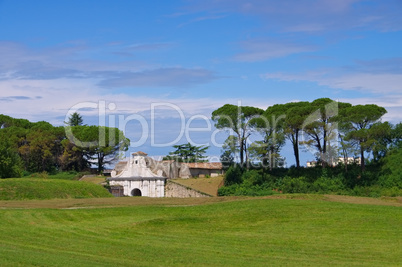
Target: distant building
{"x": 349, "y": 160}
{"x": 205, "y": 169}
{"x": 134, "y": 178}
{"x": 311, "y": 164}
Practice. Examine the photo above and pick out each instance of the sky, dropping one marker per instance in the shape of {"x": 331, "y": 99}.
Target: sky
{"x": 157, "y": 69}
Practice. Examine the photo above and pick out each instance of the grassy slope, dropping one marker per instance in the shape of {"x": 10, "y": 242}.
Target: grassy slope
{"x": 206, "y": 185}
{"x": 249, "y": 232}
{"x": 36, "y": 188}
{"x": 94, "y": 179}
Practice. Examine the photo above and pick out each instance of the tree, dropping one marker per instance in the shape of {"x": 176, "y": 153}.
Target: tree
{"x": 321, "y": 128}
{"x": 392, "y": 169}
{"x": 73, "y": 157}
{"x": 357, "y": 122}
{"x": 236, "y": 119}
{"x": 233, "y": 175}
{"x": 396, "y": 135}
{"x": 75, "y": 120}
{"x": 188, "y": 153}
{"x": 10, "y": 163}
{"x": 381, "y": 135}
{"x": 229, "y": 150}
{"x": 40, "y": 146}
{"x": 101, "y": 145}
{"x": 270, "y": 125}
{"x": 294, "y": 115}
{"x": 346, "y": 149}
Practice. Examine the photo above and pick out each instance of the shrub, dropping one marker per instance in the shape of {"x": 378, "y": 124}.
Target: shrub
{"x": 10, "y": 162}
{"x": 327, "y": 185}
{"x": 391, "y": 180}
{"x": 251, "y": 177}
{"x": 391, "y": 192}
{"x": 244, "y": 190}
{"x": 294, "y": 185}
{"x": 233, "y": 175}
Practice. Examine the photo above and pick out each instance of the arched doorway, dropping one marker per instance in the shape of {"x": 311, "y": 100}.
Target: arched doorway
{"x": 136, "y": 192}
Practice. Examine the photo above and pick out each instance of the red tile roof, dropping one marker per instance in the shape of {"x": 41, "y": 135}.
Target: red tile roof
{"x": 205, "y": 165}
{"x": 140, "y": 153}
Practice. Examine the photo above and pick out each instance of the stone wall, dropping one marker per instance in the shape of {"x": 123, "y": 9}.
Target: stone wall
{"x": 173, "y": 189}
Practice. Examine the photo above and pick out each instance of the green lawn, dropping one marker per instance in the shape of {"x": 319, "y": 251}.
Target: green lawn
{"x": 244, "y": 232}
{"x": 40, "y": 188}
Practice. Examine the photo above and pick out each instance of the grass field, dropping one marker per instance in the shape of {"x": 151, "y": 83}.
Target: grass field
{"x": 203, "y": 232}
{"x": 94, "y": 179}
{"x": 40, "y": 188}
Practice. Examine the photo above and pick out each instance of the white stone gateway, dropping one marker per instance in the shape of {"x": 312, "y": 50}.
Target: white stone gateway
{"x": 137, "y": 179}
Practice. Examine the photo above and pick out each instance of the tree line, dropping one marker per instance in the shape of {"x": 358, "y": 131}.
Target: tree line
{"x": 331, "y": 129}
{"x": 40, "y": 146}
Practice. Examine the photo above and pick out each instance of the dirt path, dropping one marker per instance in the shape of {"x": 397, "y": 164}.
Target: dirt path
{"x": 387, "y": 201}
{"x": 143, "y": 201}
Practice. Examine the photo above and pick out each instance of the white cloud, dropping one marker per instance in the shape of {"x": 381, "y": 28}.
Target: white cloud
{"x": 392, "y": 103}
{"x": 55, "y": 63}
{"x": 51, "y": 99}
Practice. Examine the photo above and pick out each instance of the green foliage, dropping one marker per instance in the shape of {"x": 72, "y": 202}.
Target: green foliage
{"x": 237, "y": 119}
{"x": 244, "y": 190}
{"x": 229, "y": 151}
{"x": 375, "y": 191}
{"x": 108, "y": 144}
{"x": 326, "y": 185}
{"x": 392, "y": 170}
{"x": 313, "y": 180}
{"x": 43, "y": 147}
{"x": 97, "y": 143}
{"x": 187, "y": 153}
{"x": 320, "y": 129}
{"x": 294, "y": 185}
{"x": 75, "y": 119}
{"x": 358, "y": 124}
{"x": 233, "y": 175}
{"x": 396, "y": 135}
{"x": 73, "y": 157}
{"x": 10, "y": 163}
{"x": 39, "y": 188}
{"x": 296, "y": 114}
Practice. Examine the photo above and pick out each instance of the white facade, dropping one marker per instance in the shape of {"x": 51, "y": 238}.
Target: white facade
{"x": 137, "y": 179}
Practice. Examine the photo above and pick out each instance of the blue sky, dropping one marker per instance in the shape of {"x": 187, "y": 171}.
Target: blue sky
{"x": 196, "y": 56}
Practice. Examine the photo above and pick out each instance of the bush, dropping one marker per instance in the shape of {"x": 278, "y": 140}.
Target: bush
{"x": 294, "y": 185}
{"x": 10, "y": 162}
{"x": 367, "y": 191}
{"x": 391, "y": 192}
{"x": 259, "y": 181}
{"x": 327, "y": 185}
{"x": 233, "y": 175}
{"x": 391, "y": 180}
{"x": 244, "y": 190}
{"x": 251, "y": 178}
